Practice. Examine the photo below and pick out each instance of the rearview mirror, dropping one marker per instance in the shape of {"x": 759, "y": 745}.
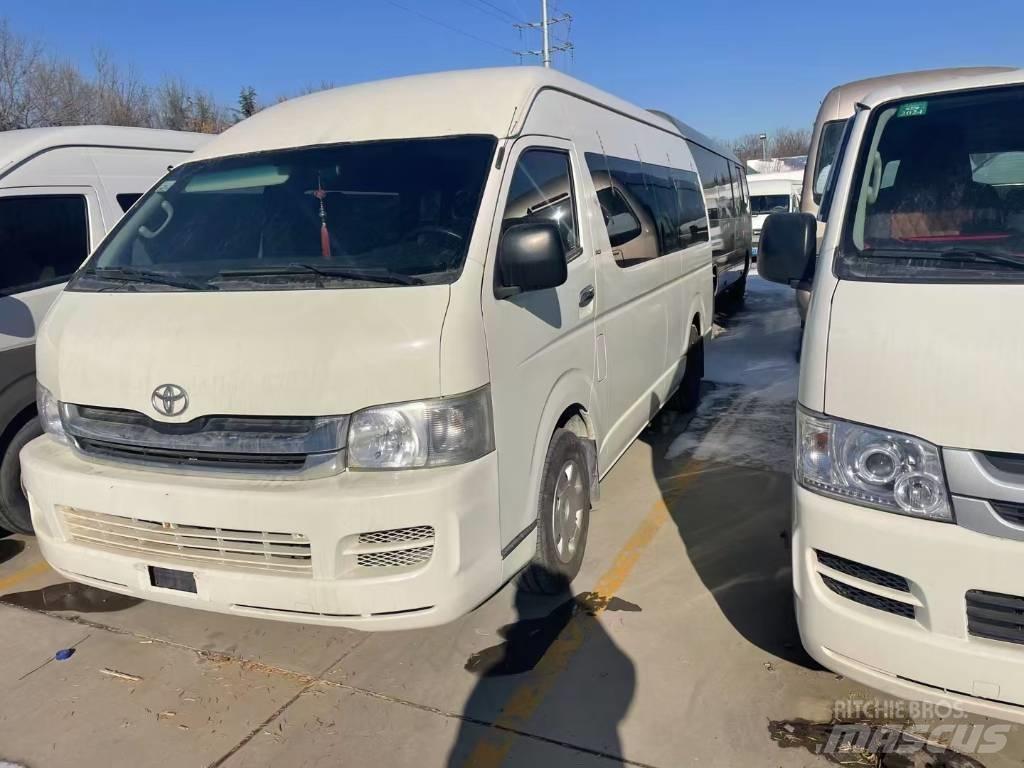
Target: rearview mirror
{"x": 787, "y": 248}
{"x": 531, "y": 257}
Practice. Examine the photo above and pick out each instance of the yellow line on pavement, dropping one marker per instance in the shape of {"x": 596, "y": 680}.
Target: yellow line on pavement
{"x": 25, "y": 573}
{"x": 493, "y": 748}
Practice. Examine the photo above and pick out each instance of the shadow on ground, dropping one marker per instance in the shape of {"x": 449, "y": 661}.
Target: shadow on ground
{"x": 535, "y": 656}
{"x": 9, "y": 548}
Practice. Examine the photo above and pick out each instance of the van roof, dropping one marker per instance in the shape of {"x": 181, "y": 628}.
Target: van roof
{"x": 493, "y": 101}
{"x": 691, "y": 133}
{"x": 780, "y": 179}
{"x": 960, "y": 81}
{"x": 18, "y": 145}
{"x": 839, "y": 102}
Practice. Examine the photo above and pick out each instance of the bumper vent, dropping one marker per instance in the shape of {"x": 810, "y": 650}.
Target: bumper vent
{"x": 393, "y": 548}
{"x": 869, "y": 599}
{"x": 995, "y": 616}
{"x": 397, "y": 535}
{"x": 396, "y": 558}
{"x": 1011, "y": 513}
{"x": 191, "y": 544}
{"x": 863, "y": 572}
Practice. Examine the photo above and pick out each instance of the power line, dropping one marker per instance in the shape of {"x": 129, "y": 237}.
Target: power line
{"x": 500, "y": 9}
{"x": 449, "y": 27}
{"x": 484, "y": 10}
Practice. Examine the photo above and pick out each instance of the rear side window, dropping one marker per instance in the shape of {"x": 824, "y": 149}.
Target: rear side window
{"x": 542, "y": 188}
{"x": 715, "y": 176}
{"x": 43, "y": 240}
{"x": 658, "y": 206}
{"x": 127, "y": 199}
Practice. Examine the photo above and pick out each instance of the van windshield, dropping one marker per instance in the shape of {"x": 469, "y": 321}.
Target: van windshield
{"x": 762, "y": 204}
{"x": 938, "y": 191}
{"x": 347, "y": 216}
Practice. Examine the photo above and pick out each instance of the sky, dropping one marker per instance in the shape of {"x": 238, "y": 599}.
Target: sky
{"x": 727, "y": 68}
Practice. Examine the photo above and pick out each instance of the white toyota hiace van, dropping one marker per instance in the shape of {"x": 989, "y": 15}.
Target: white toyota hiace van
{"x": 366, "y": 355}
{"x": 61, "y": 191}
{"x": 908, "y": 518}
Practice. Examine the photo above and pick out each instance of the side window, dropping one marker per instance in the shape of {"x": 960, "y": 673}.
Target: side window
{"x": 660, "y": 208}
{"x": 622, "y": 224}
{"x": 43, "y": 239}
{"x": 542, "y": 188}
{"x": 741, "y": 190}
{"x": 693, "y": 224}
{"x": 127, "y": 199}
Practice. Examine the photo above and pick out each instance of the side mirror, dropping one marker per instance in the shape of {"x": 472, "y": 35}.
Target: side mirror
{"x": 787, "y": 248}
{"x": 531, "y": 257}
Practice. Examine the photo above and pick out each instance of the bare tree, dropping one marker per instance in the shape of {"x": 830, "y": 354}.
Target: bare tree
{"x": 121, "y": 97}
{"x": 747, "y": 147}
{"x": 60, "y": 95}
{"x": 325, "y": 85}
{"x": 788, "y": 142}
{"x": 784, "y": 142}
{"x": 181, "y": 108}
{"x": 18, "y": 58}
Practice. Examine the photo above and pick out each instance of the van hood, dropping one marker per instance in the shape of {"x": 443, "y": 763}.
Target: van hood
{"x": 255, "y": 353}
{"x": 941, "y": 362}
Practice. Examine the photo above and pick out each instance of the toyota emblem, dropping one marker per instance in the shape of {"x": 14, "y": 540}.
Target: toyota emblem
{"x": 169, "y": 400}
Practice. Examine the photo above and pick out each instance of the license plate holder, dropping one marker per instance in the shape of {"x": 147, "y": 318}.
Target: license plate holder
{"x": 168, "y": 578}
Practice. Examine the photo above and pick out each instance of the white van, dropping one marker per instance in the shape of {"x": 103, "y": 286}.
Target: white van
{"x": 908, "y": 527}
{"x": 772, "y": 193}
{"x": 366, "y": 355}
{"x": 838, "y": 106}
{"x": 61, "y": 190}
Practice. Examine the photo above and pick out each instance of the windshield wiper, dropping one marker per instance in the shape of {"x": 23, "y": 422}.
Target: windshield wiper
{"x": 338, "y": 273}
{"x": 953, "y": 254}
{"x": 133, "y": 275}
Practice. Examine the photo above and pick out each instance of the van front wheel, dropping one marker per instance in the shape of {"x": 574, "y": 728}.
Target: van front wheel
{"x": 14, "y": 512}
{"x": 563, "y": 517}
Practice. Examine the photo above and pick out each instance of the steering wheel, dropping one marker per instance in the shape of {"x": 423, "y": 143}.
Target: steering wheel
{"x": 433, "y": 229}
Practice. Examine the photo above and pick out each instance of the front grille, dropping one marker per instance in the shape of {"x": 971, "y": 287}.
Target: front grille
{"x": 869, "y": 599}
{"x": 205, "y": 459}
{"x": 191, "y": 544}
{"x": 1011, "y": 513}
{"x": 863, "y": 572}
{"x": 995, "y": 616}
{"x": 395, "y": 558}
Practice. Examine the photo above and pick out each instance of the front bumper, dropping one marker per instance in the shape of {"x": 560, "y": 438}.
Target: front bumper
{"x": 459, "y": 503}
{"x": 930, "y": 656}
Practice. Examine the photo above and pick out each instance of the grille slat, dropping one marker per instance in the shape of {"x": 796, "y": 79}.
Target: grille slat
{"x": 252, "y": 550}
{"x": 864, "y": 572}
{"x": 995, "y": 616}
{"x": 869, "y": 599}
{"x": 207, "y": 459}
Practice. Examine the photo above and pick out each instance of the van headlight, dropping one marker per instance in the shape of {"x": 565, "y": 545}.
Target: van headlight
{"x": 423, "y": 433}
{"x": 49, "y": 414}
{"x": 873, "y": 467}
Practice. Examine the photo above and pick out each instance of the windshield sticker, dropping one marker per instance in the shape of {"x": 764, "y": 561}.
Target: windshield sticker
{"x": 912, "y": 109}
{"x": 165, "y": 186}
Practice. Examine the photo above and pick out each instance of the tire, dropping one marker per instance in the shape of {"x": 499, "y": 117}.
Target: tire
{"x": 687, "y": 397}
{"x": 14, "y": 511}
{"x": 560, "y": 548}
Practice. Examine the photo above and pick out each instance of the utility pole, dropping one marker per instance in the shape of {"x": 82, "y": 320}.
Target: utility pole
{"x": 764, "y": 146}
{"x": 544, "y": 25}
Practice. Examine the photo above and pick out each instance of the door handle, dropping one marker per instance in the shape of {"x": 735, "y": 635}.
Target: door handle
{"x": 586, "y": 295}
